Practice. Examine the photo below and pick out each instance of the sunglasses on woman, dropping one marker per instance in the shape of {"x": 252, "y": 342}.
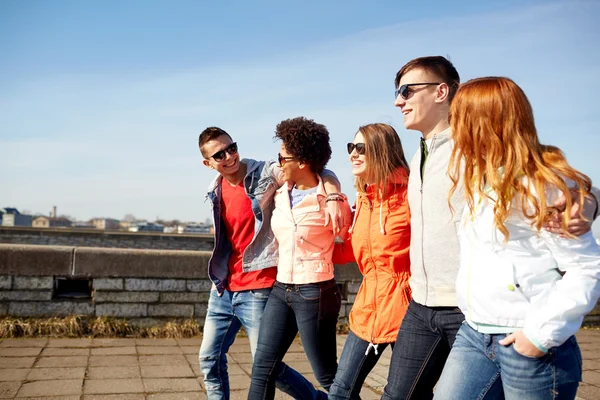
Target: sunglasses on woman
{"x": 360, "y": 148}
{"x": 282, "y": 160}
{"x": 405, "y": 91}
{"x": 220, "y": 155}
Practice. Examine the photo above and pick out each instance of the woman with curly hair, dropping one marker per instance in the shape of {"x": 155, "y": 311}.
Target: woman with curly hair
{"x": 378, "y": 241}
{"x": 524, "y": 291}
{"x": 305, "y": 297}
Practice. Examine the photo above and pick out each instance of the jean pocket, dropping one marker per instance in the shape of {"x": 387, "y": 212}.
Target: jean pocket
{"x": 261, "y": 294}
{"x": 310, "y": 291}
{"x": 541, "y": 358}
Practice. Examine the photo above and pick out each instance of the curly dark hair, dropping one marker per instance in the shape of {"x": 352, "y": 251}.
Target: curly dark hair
{"x": 305, "y": 140}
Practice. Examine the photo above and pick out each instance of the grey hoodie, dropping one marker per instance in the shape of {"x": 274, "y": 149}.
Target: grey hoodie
{"x": 434, "y": 248}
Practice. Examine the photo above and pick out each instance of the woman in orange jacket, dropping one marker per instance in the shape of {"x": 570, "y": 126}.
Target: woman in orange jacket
{"x": 378, "y": 241}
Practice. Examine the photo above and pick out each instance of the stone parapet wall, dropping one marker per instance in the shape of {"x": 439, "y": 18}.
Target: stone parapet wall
{"x": 75, "y": 237}
{"x": 144, "y": 286}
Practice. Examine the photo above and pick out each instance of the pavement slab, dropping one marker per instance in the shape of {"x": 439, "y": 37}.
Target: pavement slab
{"x": 113, "y": 386}
{"x": 165, "y": 369}
{"x": 9, "y": 389}
{"x": 51, "y": 362}
{"x": 47, "y": 374}
{"x": 112, "y": 372}
{"x": 172, "y": 385}
{"x": 51, "y": 388}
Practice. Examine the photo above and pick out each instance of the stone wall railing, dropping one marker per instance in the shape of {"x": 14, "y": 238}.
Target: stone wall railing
{"x": 144, "y": 286}
{"x": 75, "y": 237}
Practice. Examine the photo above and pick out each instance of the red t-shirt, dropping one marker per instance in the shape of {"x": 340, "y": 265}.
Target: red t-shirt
{"x": 239, "y": 226}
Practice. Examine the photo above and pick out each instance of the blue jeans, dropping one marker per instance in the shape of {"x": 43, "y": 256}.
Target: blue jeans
{"x": 480, "y": 368}
{"x": 225, "y": 316}
{"x": 311, "y": 309}
{"x": 422, "y": 346}
{"x": 358, "y": 359}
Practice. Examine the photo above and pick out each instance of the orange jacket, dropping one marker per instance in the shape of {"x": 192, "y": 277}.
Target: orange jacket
{"x": 379, "y": 241}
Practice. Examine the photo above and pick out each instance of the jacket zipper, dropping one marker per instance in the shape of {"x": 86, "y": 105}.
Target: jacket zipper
{"x": 429, "y": 152}
{"x": 302, "y": 240}
{"x": 374, "y": 269}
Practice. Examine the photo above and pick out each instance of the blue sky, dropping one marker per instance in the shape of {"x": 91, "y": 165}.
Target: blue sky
{"x": 101, "y": 103}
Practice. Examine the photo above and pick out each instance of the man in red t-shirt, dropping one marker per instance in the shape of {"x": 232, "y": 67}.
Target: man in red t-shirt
{"x": 242, "y": 267}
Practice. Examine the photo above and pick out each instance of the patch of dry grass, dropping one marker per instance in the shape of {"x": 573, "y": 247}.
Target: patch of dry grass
{"x": 81, "y": 326}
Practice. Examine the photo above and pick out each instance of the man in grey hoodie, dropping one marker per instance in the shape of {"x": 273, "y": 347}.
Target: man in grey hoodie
{"x": 425, "y": 88}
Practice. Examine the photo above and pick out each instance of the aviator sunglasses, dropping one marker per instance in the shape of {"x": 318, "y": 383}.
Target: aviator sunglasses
{"x": 360, "y": 148}
{"x": 220, "y": 155}
{"x": 404, "y": 91}
{"x": 282, "y": 160}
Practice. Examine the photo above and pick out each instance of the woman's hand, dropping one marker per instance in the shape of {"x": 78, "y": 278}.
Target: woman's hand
{"x": 522, "y": 345}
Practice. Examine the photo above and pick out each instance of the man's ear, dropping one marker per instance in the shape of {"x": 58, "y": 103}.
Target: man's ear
{"x": 207, "y": 163}
{"x": 442, "y": 93}
{"x": 301, "y": 165}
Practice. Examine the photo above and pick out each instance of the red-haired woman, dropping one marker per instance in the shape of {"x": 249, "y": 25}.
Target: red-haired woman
{"x": 523, "y": 290}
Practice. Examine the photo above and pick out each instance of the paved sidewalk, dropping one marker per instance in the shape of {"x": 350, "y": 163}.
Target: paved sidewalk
{"x": 161, "y": 369}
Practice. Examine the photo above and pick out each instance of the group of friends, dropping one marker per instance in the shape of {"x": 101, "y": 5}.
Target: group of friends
{"x": 477, "y": 258}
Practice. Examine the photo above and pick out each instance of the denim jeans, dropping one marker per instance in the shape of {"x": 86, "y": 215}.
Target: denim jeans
{"x": 312, "y": 310}
{"x": 424, "y": 341}
{"x": 480, "y": 368}
{"x": 358, "y": 359}
{"x": 225, "y": 316}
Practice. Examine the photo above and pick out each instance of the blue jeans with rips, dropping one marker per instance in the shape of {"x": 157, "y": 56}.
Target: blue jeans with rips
{"x": 225, "y": 316}
{"x": 478, "y": 367}
{"x": 422, "y": 346}
{"x": 312, "y": 310}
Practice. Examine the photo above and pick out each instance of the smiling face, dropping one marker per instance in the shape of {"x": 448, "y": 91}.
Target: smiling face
{"x": 291, "y": 167}
{"x": 359, "y": 161}
{"x": 230, "y": 164}
{"x": 420, "y": 106}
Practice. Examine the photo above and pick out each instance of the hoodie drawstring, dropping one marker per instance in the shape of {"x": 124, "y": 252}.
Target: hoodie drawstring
{"x": 374, "y": 347}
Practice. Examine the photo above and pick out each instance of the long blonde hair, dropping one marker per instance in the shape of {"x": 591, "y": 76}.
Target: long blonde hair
{"x": 384, "y": 155}
{"x": 496, "y": 141}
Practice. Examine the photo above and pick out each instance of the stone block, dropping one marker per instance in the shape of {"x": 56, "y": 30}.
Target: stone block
{"x": 126, "y": 297}
{"x": 347, "y": 273}
{"x": 22, "y": 295}
{"x": 107, "y": 284}
{"x": 171, "y": 310}
{"x": 122, "y": 310}
{"x": 111, "y": 262}
{"x": 5, "y": 282}
{"x": 152, "y": 285}
{"x": 184, "y": 297}
{"x": 33, "y": 260}
{"x": 3, "y": 309}
{"x": 353, "y": 287}
{"x": 33, "y": 282}
{"x": 200, "y": 310}
{"x": 199, "y": 285}
{"x": 49, "y": 309}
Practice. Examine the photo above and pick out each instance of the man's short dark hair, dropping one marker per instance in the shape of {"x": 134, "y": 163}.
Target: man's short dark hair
{"x": 305, "y": 140}
{"x": 439, "y": 66}
{"x": 210, "y": 133}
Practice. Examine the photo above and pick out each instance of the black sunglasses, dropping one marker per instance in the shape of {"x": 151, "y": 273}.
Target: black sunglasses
{"x": 283, "y": 159}
{"x": 404, "y": 91}
{"x": 220, "y": 155}
{"x": 360, "y": 148}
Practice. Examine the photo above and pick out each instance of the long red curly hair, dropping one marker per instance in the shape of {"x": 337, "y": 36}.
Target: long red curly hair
{"x": 496, "y": 145}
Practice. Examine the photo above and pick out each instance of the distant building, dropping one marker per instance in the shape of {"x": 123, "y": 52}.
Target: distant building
{"x": 50, "y": 222}
{"x": 194, "y": 228}
{"x": 12, "y": 217}
{"x": 106, "y": 223}
{"x": 82, "y": 225}
{"x": 146, "y": 227}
